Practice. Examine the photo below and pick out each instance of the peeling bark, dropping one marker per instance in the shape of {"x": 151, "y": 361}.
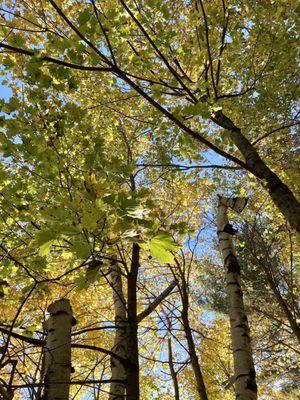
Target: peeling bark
{"x": 245, "y": 382}
{"x": 58, "y": 351}
{"x": 117, "y": 390}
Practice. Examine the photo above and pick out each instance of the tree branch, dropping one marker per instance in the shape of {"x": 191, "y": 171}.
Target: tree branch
{"x": 152, "y": 306}
{"x": 124, "y": 76}
{"x": 85, "y": 382}
{"x": 26, "y": 339}
{"x": 275, "y": 130}
{"x": 187, "y": 167}
{"x": 41, "y": 343}
{"x": 53, "y": 60}
{"x": 208, "y": 50}
{"x": 79, "y": 34}
{"x": 159, "y": 53}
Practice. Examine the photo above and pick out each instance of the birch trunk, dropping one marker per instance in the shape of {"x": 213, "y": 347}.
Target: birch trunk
{"x": 281, "y": 195}
{"x": 58, "y": 351}
{"x": 117, "y": 390}
{"x": 245, "y": 383}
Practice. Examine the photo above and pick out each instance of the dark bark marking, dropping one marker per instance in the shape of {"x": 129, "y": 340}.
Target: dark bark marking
{"x": 228, "y": 228}
{"x": 251, "y": 384}
{"x": 246, "y": 335}
{"x": 243, "y": 326}
{"x": 232, "y": 264}
{"x": 239, "y": 292}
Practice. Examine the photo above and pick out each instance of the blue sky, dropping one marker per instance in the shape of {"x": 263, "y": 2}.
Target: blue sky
{"x": 5, "y": 92}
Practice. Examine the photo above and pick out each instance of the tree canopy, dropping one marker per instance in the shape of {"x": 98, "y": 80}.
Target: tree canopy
{"x": 132, "y": 132}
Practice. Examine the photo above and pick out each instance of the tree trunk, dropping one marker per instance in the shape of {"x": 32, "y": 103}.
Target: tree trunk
{"x": 58, "y": 351}
{"x": 172, "y": 371}
{"x": 245, "y": 383}
{"x": 117, "y": 390}
{"x": 132, "y": 383}
{"x": 281, "y": 195}
{"x": 201, "y": 389}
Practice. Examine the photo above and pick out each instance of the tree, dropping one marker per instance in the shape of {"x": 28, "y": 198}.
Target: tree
{"x": 275, "y": 268}
{"x": 185, "y": 74}
{"x": 124, "y": 123}
{"x": 245, "y": 383}
{"x": 57, "y": 351}
{"x": 183, "y": 272}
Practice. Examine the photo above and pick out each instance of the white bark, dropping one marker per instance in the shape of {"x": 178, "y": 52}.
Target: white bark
{"x": 58, "y": 351}
{"x": 245, "y": 384}
{"x": 117, "y": 390}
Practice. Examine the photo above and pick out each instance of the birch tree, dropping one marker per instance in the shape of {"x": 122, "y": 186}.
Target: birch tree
{"x": 57, "y": 364}
{"x": 245, "y": 383}
{"x": 122, "y": 121}
{"x": 117, "y": 390}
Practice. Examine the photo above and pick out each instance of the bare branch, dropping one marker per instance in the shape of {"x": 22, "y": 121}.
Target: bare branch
{"x": 275, "y": 130}
{"x": 187, "y": 167}
{"x": 152, "y": 306}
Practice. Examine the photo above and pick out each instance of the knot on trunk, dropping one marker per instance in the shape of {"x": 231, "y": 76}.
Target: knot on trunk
{"x": 228, "y": 228}
{"x": 232, "y": 264}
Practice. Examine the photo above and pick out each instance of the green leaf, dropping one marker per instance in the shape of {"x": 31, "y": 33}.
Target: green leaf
{"x": 45, "y": 239}
{"x": 161, "y": 246}
{"x": 17, "y": 39}
{"x": 83, "y": 17}
{"x": 91, "y": 274}
{"x": 45, "y": 236}
{"x": 12, "y": 105}
{"x": 8, "y": 62}
{"x": 46, "y": 248}
{"x": 81, "y": 248}
{"x": 29, "y": 331}
{"x": 89, "y": 219}
{"x": 81, "y": 283}
{"x": 84, "y": 281}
